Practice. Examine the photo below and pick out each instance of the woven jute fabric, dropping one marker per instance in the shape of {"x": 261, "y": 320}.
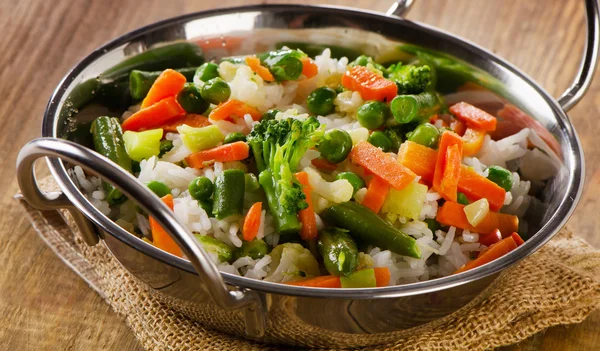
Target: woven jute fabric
{"x": 560, "y": 284}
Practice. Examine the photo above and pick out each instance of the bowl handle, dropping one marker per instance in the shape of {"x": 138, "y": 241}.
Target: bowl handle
{"x": 587, "y": 67}
{"x": 400, "y": 8}
{"x": 101, "y": 166}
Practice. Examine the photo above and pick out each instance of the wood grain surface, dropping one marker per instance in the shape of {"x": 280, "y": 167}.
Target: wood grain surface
{"x": 45, "y": 306}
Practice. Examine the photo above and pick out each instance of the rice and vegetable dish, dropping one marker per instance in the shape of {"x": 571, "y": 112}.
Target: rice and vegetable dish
{"x": 320, "y": 172}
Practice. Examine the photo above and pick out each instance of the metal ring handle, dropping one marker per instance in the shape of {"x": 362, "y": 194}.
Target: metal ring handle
{"x": 588, "y": 64}
{"x": 101, "y": 166}
{"x": 400, "y": 8}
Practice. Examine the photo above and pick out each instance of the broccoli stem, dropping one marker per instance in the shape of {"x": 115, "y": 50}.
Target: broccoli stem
{"x": 285, "y": 223}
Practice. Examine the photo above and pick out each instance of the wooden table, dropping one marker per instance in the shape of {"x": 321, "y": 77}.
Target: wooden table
{"x": 45, "y": 306}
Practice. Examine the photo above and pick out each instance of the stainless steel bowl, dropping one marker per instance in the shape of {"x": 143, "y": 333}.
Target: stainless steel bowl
{"x": 273, "y": 312}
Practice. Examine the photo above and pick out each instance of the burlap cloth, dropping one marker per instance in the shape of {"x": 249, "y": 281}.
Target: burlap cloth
{"x": 560, "y": 284}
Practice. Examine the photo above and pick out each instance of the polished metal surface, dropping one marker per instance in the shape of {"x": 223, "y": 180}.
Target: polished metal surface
{"x": 400, "y": 8}
{"x": 362, "y": 316}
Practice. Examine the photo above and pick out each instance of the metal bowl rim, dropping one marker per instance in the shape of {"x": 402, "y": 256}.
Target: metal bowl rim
{"x": 548, "y": 230}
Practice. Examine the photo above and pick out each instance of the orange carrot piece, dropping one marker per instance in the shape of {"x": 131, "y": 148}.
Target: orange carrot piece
{"x": 476, "y": 186}
{"x": 252, "y": 221}
{"x": 493, "y": 252}
{"x": 370, "y": 85}
{"x": 517, "y": 238}
{"x": 155, "y": 116}
{"x": 309, "y": 67}
{"x": 382, "y": 276}
{"x": 447, "y": 168}
{"x": 168, "y": 83}
{"x": 160, "y": 238}
{"x": 323, "y": 165}
{"x": 491, "y": 238}
{"x": 324, "y": 281}
{"x": 453, "y": 214}
{"x": 374, "y": 160}
{"x": 191, "y": 119}
{"x": 376, "y": 194}
{"x": 458, "y": 127}
{"x": 234, "y": 108}
{"x": 419, "y": 159}
{"x": 254, "y": 63}
{"x": 474, "y": 117}
{"x": 472, "y": 141}
{"x": 308, "y": 231}
{"x": 225, "y": 153}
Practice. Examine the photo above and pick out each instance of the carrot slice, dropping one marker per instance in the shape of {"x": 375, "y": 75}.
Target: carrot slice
{"x": 458, "y": 127}
{"x": 254, "y": 63}
{"x": 495, "y": 251}
{"x": 472, "y": 141}
{"x": 517, "y": 238}
{"x": 160, "y": 113}
{"x": 474, "y": 117}
{"x": 376, "y": 194}
{"x": 491, "y": 238}
{"x": 308, "y": 231}
{"x": 447, "y": 169}
{"x": 160, "y": 238}
{"x": 324, "y": 165}
{"x": 476, "y": 186}
{"x": 225, "y": 153}
{"x": 234, "y": 108}
{"x": 419, "y": 159}
{"x": 168, "y": 83}
{"x": 382, "y": 165}
{"x": 370, "y": 85}
{"x": 382, "y": 276}
{"x": 191, "y": 119}
{"x": 324, "y": 281}
{"x": 252, "y": 221}
{"x": 453, "y": 214}
{"x": 309, "y": 67}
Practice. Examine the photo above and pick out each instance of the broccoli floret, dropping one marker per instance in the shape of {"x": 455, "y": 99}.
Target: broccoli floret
{"x": 410, "y": 79}
{"x": 278, "y": 146}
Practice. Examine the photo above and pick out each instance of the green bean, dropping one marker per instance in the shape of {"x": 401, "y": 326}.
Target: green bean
{"x": 190, "y": 98}
{"x": 140, "y": 82}
{"x": 233, "y": 137}
{"x": 254, "y": 249}
{"x": 207, "y": 206}
{"x": 461, "y": 198}
{"x": 216, "y": 91}
{"x": 432, "y": 224}
{"x": 207, "y": 71}
{"x": 381, "y": 140}
{"x": 159, "y": 188}
{"x": 108, "y": 141}
{"x": 335, "y": 145}
{"x": 425, "y": 134}
{"x": 216, "y": 247}
{"x": 201, "y": 188}
{"x": 500, "y": 176}
{"x": 251, "y": 182}
{"x": 320, "y": 101}
{"x": 373, "y": 114}
{"x": 339, "y": 251}
{"x": 411, "y": 108}
{"x": 356, "y": 181}
{"x": 229, "y": 193}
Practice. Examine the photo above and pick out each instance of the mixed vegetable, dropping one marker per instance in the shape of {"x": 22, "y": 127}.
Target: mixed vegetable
{"x": 359, "y": 185}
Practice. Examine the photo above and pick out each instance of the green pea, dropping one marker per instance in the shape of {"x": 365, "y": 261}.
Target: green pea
{"x": 251, "y": 182}
{"x": 216, "y": 91}
{"x": 356, "y": 181}
{"x": 373, "y": 114}
{"x": 159, "y": 188}
{"x": 361, "y": 60}
{"x": 207, "y": 71}
{"x": 233, "y": 137}
{"x": 425, "y": 134}
{"x": 269, "y": 115}
{"x": 381, "y": 140}
{"x": 432, "y": 224}
{"x": 191, "y": 99}
{"x": 335, "y": 146}
{"x": 461, "y": 198}
{"x": 201, "y": 188}
{"x": 320, "y": 101}
{"x": 501, "y": 176}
